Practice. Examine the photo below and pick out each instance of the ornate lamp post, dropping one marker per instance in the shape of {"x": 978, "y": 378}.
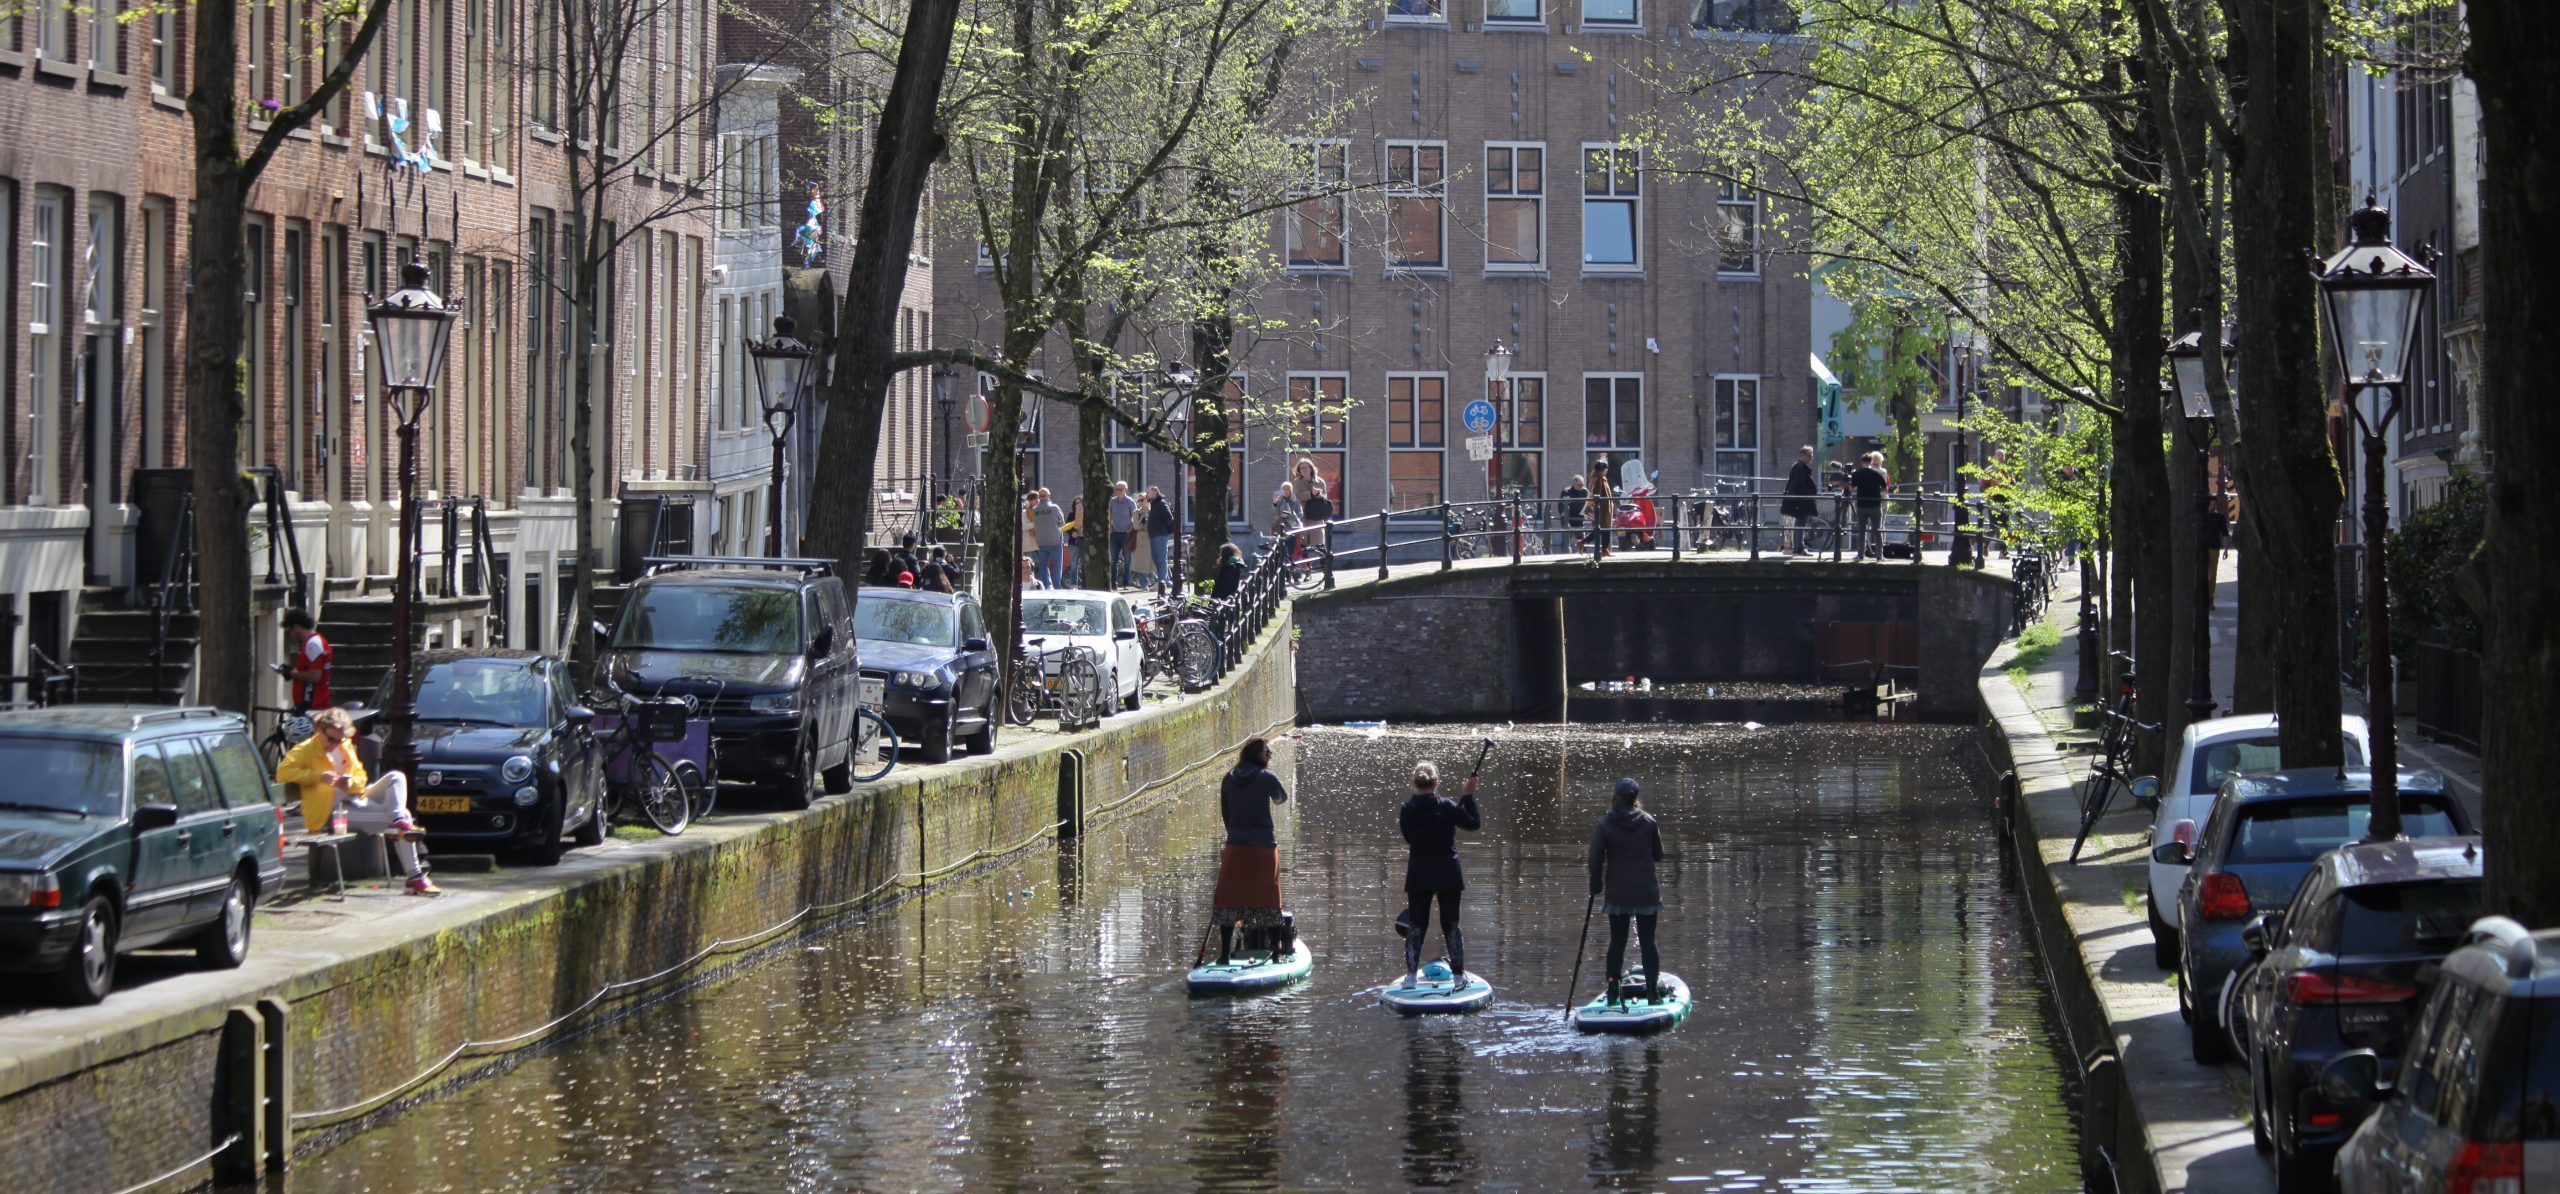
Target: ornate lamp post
{"x": 1497, "y": 376}
{"x": 782, "y": 368}
{"x": 2372, "y": 296}
{"x": 2187, "y": 369}
{"x": 411, "y": 327}
{"x": 1178, "y": 383}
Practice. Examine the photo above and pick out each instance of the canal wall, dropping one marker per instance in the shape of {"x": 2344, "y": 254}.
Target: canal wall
{"x": 320, "y": 1033}
{"x": 1495, "y": 639}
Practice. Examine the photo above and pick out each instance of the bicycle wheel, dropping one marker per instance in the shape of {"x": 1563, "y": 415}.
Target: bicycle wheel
{"x": 1816, "y": 537}
{"x": 705, "y": 793}
{"x": 661, "y": 793}
{"x": 1307, "y": 573}
{"x": 875, "y": 746}
{"x": 1079, "y": 691}
{"x": 1022, "y": 693}
{"x": 1198, "y": 651}
{"x": 271, "y": 748}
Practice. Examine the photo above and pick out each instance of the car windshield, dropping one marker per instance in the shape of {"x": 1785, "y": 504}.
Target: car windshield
{"x": 888, "y": 620}
{"x": 2301, "y": 830}
{"x": 502, "y": 692}
{"x": 1063, "y": 615}
{"x": 2243, "y": 756}
{"x": 2407, "y": 918}
{"x": 739, "y": 619}
{"x": 49, "y": 774}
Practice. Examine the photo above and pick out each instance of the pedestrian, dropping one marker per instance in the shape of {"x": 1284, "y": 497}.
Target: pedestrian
{"x": 1317, "y": 512}
{"x": 1230, "y": 573}
{"x": 1303, "y": 479}
{"x": 906, "y": 580}
{"x": 1577, "y": 500}
{"x": 1798, "y": 506}
{"x": 1430, "y": 823}
{"x": 328, "y": 776}
{"x": 1142, "y": 554}
{"x": 875, "y": 567}
{"x": 1249, "y": 869}
{"x": 906, "y": 558}
{"x": 1285, "y": 518}
{"x": 1123, "y": 509}
{"x": 1625, "y": 845}
{"x": 1049, "y": 534}
{"x": 1603, "y": 505}
{"x": 1031, "y": 574}
{"x": 313, "y": 660}
{"x": 1867, "y": 486}
{"x": 1067, "y": 567}
{"x": 1159, "y": 531}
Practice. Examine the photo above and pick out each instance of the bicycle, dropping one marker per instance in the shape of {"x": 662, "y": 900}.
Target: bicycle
{"x": 873, "y": 737}
{"x": 1179, "y": 646}
{"x": 1073, "y": 692}
{"x": 1306, "y": 573}
{"x": 2107, "y": 768}
{"x": 289, "y": 727}
{"x": 636, "y": 774}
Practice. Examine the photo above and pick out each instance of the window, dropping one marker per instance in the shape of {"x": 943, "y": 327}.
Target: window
{"x": 164, "y": 49}
{"x": 243, "y": 776}
{"x": 1737, "y": 426}
{"x": 1499, "y": 11}
{"x": 1317, "y": 429}
{"x": 1609, "y": 12}
{"x": 1612, "y": 420}
{"x": 53, "y": 29}
{"x": 156, "y": 244}
{"x": 106, "y": 36}
{"x": 333, "y": 363}
{"x": 1612, "y": 207}
{"x": 260, "y": 61}
{"x": 1417, "y": 205}
{"x": 1515, "y": 207}
{"x": 295, "y": 65}
{"x": 545, "y": 81}
{"x": 1318, "y": 223}
{"x": 1415, "y": 10}
{"x": 188, "y": 779}
{"x": 1123, "y": 454}
{"x": 1519, "y": 432}
{"x": 47, "y": 231}
{"x": 296, "y": 400}
{"x": 1737, "y": 229}
{"x": 1417, "y": 437}
{"x": 1746, "y": 16}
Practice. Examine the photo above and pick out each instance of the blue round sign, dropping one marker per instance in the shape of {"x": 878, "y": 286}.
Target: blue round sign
{"x": 1479, "y": 417}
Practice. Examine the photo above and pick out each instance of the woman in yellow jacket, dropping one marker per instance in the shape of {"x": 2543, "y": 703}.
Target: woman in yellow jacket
{"x": 325, "y": 769}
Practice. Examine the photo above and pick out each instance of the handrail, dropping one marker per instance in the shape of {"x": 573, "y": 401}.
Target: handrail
{"x": 493, "y": 579}
{"x": 284, "y": 552}
{"x": 176, "y": 583}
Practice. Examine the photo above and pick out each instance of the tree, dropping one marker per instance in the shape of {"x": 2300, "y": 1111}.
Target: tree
{"x": 216, "y": 327}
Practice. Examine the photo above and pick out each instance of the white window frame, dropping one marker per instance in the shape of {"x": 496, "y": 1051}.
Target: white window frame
{"x": 1629, "y": 192}
{"x": 158, "y": 230}
{"x": 1537, "y": 200}
{"x": 106, "y": 37}
{"x": 1735, "y": 196}
{"x": 1633, "y": 20}
{"x": 1614, "y": 444}
{"x": 1408, "y": 189}
{"x": 53, "y": 30}
{"x": 1727, "y": 400}
{"x": 1303, "y": 430}
{"x": 1414, "y": 425}
{"x": 48, "y": 230}
{"x": 1314, "y": 185}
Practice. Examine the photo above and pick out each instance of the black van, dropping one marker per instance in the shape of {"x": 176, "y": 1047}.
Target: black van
{"x": 767, "y": 644}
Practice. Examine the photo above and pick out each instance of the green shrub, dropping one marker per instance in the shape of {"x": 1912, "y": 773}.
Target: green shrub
{"x": 2427, "y": 555}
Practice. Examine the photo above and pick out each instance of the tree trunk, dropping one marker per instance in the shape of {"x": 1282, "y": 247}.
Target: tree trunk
{"x": 857, "y": 392}
{"x": 226, "y": 658}
{"x": 1093, "y": 472}
{"x": 2288, "y": 478}
{"x": 2252, "y": 667}
{"x": 2512, "y": 47}
{"x": 582, "y": 451}
{"x": 2140, "y": 477}
{"x": 1213, "y": 342}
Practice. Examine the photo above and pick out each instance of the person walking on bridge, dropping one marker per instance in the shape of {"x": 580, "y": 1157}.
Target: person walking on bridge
{"x": 1249, "y": 870}
{"x": 1625, "y": 846}
{"x": 1430, "y": 823}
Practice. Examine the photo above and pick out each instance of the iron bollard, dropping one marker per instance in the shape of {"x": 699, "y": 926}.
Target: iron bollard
{"x": 1679, "y": 514}
{"x": 1382, "y": 543}
{"x": 1448, "y": 545}
{"x": 1755, "y": 527}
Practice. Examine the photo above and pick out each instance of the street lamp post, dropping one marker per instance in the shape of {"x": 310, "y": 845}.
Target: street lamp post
{"x": 1178, "y": 382}
{"x": 2187, "y": 369}
{"x": 2373, "y": 296}
{"x": 782, "y": 367}
{"x": 1497, "y": 378}
{"x": 411, "y": 327}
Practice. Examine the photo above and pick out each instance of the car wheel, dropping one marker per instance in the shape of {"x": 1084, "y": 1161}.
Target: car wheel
{"x": 224, "y": 944}
{"x": 795, "y": 791}
{"x": 1130, "y": 702}
{"x": 2258, "y": 1138}
{"x": 591, "y": 831}
{"x": 90, "y": 972}
{"x": 553, "y": 845}
{"x": 839, "y": 778}
{"x": 937, "y": 743}
{"x": 2164, "y": 940}
{"x": 2302, "y": 1172}
{"x": 984, "y": 741}
{"x": 2204, "y": 1030}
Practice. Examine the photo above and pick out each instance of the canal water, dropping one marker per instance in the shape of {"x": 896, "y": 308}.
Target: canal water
{"x": 1870, "y": 1009}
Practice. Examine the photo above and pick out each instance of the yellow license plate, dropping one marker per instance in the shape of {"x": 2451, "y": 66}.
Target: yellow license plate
{"x": 444, "y": 804}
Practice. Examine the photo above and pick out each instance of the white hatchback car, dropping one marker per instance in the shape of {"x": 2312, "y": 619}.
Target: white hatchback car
{"x": 2208, "y": 753}
{"x": 1103, "y": 622}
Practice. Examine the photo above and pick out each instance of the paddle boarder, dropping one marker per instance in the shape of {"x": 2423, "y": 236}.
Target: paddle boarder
{"x": 1430, "y": 823}
{"x": 1249, "y": 871}
{"x": 1625, "y": 845}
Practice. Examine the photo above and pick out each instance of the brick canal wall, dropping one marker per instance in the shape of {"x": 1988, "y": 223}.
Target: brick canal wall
{"x": 160, "y": 1081}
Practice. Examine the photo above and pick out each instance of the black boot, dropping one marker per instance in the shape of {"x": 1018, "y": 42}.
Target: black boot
{"x": 1412, "y": 960}
{"x": 1457, "y": 958}
{"x": 1652, "y": 988}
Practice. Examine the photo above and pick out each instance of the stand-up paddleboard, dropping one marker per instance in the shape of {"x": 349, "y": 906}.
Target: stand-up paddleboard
{"x": 1636, "y": 1015}
{"x": 1253, "y": 972}
{"x": 1436, "y": 992}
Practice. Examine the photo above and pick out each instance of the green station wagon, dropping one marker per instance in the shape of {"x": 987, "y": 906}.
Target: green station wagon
{"x": 125, "y": 827}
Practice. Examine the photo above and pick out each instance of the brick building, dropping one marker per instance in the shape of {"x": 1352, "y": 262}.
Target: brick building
{"x": 1504, "y": 199}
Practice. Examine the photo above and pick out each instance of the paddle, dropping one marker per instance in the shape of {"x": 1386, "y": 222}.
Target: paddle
{"x": 1585, "y": 943}
{"x": 1200, "y": 954}
{"x": 1478, "y": 769}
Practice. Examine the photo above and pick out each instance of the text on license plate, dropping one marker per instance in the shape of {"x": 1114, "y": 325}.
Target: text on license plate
{"x": 444, "y": 804}
{"x": 874, "y": 691}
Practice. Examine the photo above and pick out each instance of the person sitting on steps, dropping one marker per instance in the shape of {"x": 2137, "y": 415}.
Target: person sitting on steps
{"x": 324, "y": 771}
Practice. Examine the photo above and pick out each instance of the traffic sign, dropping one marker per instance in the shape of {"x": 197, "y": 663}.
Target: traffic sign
{"x": 1480, "y": 448}
{"x": 1479, "y": 417}
{"x": 977, "y": 412}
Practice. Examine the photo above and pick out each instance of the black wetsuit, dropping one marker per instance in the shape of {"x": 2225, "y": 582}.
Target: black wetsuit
{"x": 1430, "y": 823}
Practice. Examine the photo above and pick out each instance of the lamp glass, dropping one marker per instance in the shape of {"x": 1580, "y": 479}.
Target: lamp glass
{"x": 410, "y": 331}
{"x": 2373, "y": 326}
{"x": 778, "y": 380}
{"x": 2192, "y": 396}
{"x": 1497, "y": 364}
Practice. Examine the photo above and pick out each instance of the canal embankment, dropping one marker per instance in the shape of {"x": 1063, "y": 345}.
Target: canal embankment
{"x": 346, "y": 1012}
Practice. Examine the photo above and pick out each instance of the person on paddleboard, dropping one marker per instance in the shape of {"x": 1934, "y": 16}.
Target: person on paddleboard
{"x": 1625, "y": 846}
{"x": 1430, "y": 823}
{"x": 1249, "y": 871}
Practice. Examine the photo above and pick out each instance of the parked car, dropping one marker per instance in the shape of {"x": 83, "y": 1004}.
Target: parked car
{"x": 1104, "y": 623}
{"x": 124, "y": 827}
{"x": 931, "y": 655}
{"x": 507, "y": 757}
{"x": 2208, "y": 753}
{"x": 2340, "y": 969}
{"x": 768, "y": 645}
{"x": 2473, "y": 1107}
{"x": 2256, "y": 846}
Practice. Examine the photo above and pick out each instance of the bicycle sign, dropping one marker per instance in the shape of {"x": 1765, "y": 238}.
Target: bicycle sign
{"x": 1479, "y": 417}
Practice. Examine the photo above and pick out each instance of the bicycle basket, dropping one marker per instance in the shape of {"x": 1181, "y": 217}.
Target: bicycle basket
{"x": 659, "y": 720}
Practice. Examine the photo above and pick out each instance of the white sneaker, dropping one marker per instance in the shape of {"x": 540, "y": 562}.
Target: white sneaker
{"x": 1412, "y": 979}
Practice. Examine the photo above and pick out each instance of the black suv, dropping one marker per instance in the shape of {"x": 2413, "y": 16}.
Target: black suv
{"x": 507, "y": 757}
{"x": 768, "y": 645}
{"x": 123, "y": 827}
{"x": 936, "y": 669}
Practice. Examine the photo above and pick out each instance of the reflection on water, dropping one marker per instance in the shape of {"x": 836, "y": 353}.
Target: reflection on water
{"x": 1868, "y": 1008}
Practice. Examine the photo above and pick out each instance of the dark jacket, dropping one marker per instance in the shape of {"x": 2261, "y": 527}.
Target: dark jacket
{"x": 1800, "y": 492}
{"x": 1624, "y": 846}
{"x": 1230, "y": 579}
{"x": 1431, "y": 822}
{"x": 1160, "y": 518}
{"x": 1870, "y": 485}
{"x": 1575, "y": 497}
{"x": 1245, "y": 798}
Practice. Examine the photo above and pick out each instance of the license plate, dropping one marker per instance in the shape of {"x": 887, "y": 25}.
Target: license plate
{"x": 444, "y": 804}
{"x": 874, "y": 691}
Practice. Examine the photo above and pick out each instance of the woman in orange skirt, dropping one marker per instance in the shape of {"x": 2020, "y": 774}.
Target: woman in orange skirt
{"x": 1249, "y": 871}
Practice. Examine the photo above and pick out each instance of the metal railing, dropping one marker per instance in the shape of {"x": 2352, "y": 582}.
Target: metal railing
{"x": 46, "y": 683}
{"x": 1682, "y": 524}
{"x": 2449, "y": 706}
{"x": 284, "y": 552}
{"x": 175, "y": 589}
{"x": 466, "y": 519}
